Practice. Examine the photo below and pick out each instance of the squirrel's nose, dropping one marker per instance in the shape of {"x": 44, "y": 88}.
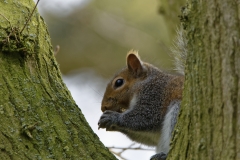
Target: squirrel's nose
{"x": 104, "y": 108}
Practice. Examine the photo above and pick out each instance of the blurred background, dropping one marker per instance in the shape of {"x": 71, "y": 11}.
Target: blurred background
{"x": 94, "y": 37}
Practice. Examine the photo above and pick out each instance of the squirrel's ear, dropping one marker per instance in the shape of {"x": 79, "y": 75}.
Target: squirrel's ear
{"x": 134, "y": 62}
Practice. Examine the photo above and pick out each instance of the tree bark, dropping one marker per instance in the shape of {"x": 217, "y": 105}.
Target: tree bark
{"x": 209, "y": 123}
{"x": 38, "y": 117}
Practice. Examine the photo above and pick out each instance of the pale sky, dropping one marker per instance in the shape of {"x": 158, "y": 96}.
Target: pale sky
{"x": 62, "y": 7}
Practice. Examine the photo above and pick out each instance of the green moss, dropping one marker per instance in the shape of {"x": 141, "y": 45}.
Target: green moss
{"x": 14, "y": 42}
{"x": 41, "y": 120}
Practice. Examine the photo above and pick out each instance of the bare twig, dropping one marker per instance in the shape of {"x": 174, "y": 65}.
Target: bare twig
{"x": 7, "y": 39}
{"x": 10, "y": 26}
{"x": 29, "y": 17}
{"x": 119, "y": 154}
{"x": 15, "y": 29}
{"x": 129, "y": 148}
{"x": 6, "y": 19}
{"x": 123, "y": 149}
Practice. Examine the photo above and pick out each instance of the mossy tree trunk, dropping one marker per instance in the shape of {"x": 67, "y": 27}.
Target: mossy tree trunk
{"x": 38, "y": 117}
{"x": 209, "y": 122}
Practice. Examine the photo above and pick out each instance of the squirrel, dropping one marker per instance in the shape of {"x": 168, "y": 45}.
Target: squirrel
{"x": 143, "y": 102}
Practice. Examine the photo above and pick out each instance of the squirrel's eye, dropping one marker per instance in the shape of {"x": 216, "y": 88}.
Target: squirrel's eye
{"x": 118, "y": 83}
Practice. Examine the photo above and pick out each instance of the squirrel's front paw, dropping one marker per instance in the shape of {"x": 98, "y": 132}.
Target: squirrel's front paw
{"x": 108, "y": 120}
{"x": 159, "y": 156}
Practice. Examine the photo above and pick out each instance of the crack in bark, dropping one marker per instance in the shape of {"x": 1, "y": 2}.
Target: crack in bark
{"x": 234, "y": 98}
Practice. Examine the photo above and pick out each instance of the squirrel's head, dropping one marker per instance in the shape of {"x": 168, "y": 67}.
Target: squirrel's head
{"x": 121, "y": 89}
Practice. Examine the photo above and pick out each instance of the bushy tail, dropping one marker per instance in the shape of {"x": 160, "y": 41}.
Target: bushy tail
{"x": 179, "y": 51}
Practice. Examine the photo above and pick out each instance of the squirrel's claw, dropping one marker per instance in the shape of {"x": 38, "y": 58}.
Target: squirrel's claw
{"x": 108, "y": 120}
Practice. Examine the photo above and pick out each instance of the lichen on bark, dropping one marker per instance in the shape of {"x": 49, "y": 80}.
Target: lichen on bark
{"x": 39, "y": 119}
{"x": 208, "y": 126}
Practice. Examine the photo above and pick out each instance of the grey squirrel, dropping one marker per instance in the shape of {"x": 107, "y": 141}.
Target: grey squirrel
{"x": 143, "y": 102}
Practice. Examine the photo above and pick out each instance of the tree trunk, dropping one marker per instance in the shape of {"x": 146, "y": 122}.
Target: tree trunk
{"x": 209, "y": 122}
{"x": 38, "y": 117}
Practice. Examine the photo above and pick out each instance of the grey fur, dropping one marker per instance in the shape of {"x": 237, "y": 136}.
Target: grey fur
{"x": 179, "y": 51}
{"x": 143, "y": 121}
